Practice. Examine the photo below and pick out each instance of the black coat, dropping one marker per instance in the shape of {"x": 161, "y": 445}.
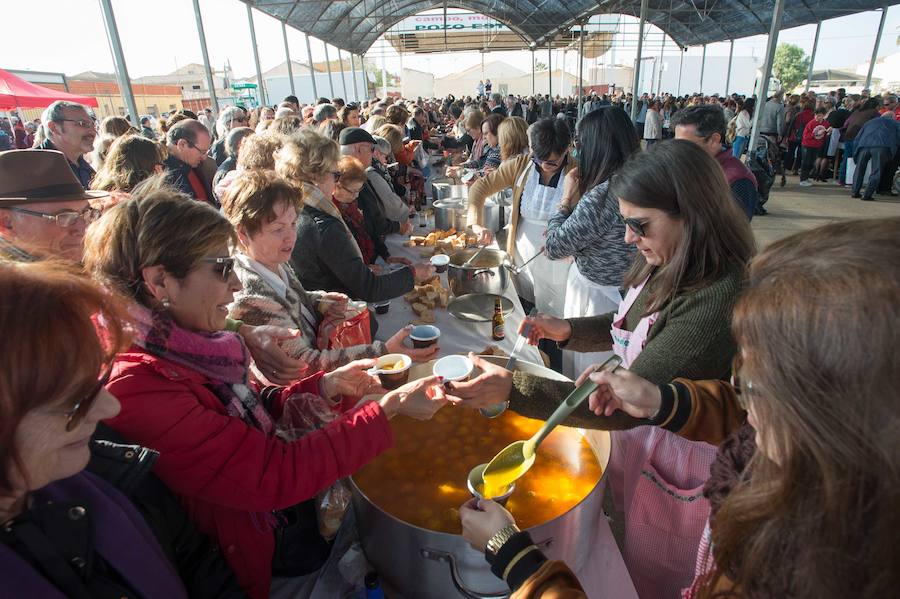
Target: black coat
{"x": 377, "y": 224}
{"x": 326, "y": 257}
{"x": 177, "y": 174}
{"x": 414, "y": 131}
{"x": 200, "y": 564}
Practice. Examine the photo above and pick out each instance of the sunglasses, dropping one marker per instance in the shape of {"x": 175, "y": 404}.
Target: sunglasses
{"x": 64, "y": 219}
{"x": 83, "y": 406}
{"x": 223, "y": 266}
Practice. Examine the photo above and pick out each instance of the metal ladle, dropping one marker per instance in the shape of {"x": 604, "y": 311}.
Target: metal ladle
{"x": 518, "y": 269}
{"x": 517, "y": 458}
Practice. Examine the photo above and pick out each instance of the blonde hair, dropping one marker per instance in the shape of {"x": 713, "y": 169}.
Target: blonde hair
{"x": 393, "y": 134}
{"x": 513, "y": 137}
{"x": 375, "y": 122}
{"x": 258, "y": 151}
{"x": 130, "y": 160}
{"x": 251, "y": 199}
{"x": 158, "y": 226}
{"x": 305, "y": 156}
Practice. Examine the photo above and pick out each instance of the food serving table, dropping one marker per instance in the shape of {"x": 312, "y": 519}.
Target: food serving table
{"x": 457, "y": 336}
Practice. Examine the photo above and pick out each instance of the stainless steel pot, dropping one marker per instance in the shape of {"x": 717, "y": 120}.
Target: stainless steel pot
{"x": 445, "y": 189}
{"x": 416, "y": 563}
{"x": 492, "y": 214}
{"x": 450, "y": 214}
{"x": 489, "y": 273}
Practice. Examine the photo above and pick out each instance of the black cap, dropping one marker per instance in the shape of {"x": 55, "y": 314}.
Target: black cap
{"x": 355, "y": 135}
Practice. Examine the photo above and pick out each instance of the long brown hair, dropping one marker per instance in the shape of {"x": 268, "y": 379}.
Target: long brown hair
{"x": 681, "y": 179}
{"x": 819, "y": 328}
{"x": 131, "y": 159}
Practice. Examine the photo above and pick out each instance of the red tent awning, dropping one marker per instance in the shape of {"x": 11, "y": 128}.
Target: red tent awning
{"x": 15, "y": 92}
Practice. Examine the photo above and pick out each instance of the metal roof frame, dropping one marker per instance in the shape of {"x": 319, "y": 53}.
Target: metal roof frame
{"x": 354, "y": 25}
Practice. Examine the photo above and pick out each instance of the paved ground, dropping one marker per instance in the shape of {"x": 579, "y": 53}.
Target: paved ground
{"x": 794, "y": 208}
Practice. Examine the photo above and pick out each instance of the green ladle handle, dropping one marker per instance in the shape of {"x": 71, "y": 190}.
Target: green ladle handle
{"x": 574, "y": 399}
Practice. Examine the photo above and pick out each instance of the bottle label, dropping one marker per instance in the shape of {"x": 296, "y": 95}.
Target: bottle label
{"x": 498, "y": 332}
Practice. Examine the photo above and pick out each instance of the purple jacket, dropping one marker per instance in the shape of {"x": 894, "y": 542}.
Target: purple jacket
{"x": 120, "y": 536}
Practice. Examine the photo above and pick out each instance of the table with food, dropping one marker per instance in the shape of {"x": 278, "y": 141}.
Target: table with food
{"x": 408, "y": 498}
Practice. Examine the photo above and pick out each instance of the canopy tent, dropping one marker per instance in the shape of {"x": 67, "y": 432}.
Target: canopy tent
{"x": 15, "y": 92}
{"x": 354, "y": 25}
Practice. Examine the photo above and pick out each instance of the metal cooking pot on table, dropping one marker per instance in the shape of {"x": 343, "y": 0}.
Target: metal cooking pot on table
{"x": 417, "y": 563}
{"x": 450, "y": 214}
{"x": 488, "y": 273}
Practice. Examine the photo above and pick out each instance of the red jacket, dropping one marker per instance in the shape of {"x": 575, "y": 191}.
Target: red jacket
{"x": 809, "y": 139}
{"x": 227, "y": 474}
{"x": 800, "y": 121}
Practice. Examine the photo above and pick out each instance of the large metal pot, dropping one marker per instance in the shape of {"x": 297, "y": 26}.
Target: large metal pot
{"x": 450, "y": 214}
{"x": 489, "y": 273}
{"x": 492, "y": 214}
{"x": 416, "y": 563}
{"x": 445, "y": 189}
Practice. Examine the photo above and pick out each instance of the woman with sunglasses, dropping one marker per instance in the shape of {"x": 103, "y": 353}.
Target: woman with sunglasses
{"x": 64, "y": 532}
{"x": 537, "y": 190}
{"x": 326, "y": 256}
{"x": 693, "y": 243}
{"x": 185, "y": 392}
{"x": 804, "y": 488}
{"x": 587, "y": 225}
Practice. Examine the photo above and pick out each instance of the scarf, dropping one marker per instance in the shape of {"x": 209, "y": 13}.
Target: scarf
{"x": 220, "y": 356}
{"x": 353, "y": 218}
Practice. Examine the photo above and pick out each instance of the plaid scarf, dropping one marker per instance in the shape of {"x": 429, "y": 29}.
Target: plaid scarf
{"x": 220, "y": 356}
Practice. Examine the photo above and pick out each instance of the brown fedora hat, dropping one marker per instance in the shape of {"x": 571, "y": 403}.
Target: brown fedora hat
{"x": 35, "y": 176}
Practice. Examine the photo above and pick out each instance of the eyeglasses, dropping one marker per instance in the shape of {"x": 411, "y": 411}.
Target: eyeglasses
{"x": 64, "y": 219}
{"x": 202, "y": 151}
{"x": 352, "y": 191}
{"x": 336, "y": 175}
{"x": 223, "y": 266}
{"x": 548, "y": 163}
{"x": 743, "y": 388}
{"x": 75, "y": 415}
{"x": 84, "y": 124}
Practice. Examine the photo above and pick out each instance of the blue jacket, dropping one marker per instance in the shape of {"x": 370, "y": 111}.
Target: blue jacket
{"x": 879, "y": 133}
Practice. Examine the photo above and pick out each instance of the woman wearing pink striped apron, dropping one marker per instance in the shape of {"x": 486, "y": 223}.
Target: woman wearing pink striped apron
{"x": 657, "y": 481}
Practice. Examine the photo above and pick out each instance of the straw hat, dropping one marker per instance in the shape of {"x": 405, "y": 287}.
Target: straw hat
{"x": 37, "y": 176}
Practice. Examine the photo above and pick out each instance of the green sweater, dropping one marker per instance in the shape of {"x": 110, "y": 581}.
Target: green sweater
{"x": 691, "y": 338}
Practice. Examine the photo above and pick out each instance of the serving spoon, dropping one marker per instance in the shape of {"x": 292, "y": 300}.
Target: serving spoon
{"x": 516, "y": 459}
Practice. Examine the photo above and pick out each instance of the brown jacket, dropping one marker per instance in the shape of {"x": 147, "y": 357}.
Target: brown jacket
{"x": 696, "y": 410}
{"x": 512, "y": 173}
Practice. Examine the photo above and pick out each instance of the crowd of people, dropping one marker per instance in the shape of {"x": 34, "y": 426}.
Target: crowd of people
{"x": 176, "y": 421}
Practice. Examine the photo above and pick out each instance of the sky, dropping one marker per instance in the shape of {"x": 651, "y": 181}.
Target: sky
{"x": 159, "y": 36}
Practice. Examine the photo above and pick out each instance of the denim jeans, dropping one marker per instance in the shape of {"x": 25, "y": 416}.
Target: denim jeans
{"x": 740, "y": 142}
{"x": 879, "y": 157}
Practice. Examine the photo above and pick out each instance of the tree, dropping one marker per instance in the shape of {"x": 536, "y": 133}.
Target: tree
{"x": 540, "y": 66}
{"x": 790, "y": 65}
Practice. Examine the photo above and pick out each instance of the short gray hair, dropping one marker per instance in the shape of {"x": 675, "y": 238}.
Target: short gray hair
{"x": 323, "y": 112}
{"x": 234, "y": 138}
{"x": 56, "y": 112}
{"x": 497, "y": 98}
{"x": 226, "y": 117}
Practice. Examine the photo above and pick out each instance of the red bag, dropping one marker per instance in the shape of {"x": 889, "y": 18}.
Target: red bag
{"x": 345, "y": 332}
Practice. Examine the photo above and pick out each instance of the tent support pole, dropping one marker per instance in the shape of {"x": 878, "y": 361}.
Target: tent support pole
{"x": 728, "y": 76}
{"x": 550, "y": 72}
{"x": 762, "y": 88}
{"x": 343, "y": 75}
{"x": 115, "y": 47}
{"x": 580, "y": 72}
{"x": 287, "y": 57}
{"x": 353, "y": 75}
{"x": 210, "y": 82}
{"x": 702, "y": 68}
{"x": 260, "y": 84}
{"x": 635, "y": 92}
{"x": 680, "y": 68}
{"x": 875, "y": 49}
{"x": 812, "y": 57}
{"x": 328, "y": 66}
{"x": 312, "y": 70}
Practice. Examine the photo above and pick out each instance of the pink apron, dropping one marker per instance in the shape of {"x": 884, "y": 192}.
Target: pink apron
{"x": 657, "y": 481}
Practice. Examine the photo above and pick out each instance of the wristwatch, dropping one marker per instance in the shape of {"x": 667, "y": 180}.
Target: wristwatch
{"x": 500, "y": 538}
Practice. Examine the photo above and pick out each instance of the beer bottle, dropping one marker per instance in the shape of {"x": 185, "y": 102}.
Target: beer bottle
{"x": 497, "y": 331}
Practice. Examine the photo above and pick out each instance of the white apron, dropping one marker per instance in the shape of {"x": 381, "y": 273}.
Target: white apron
{"x": 657, "y": 480}
{"x": 543, "y": 282}
{"x": 586, "y": 298}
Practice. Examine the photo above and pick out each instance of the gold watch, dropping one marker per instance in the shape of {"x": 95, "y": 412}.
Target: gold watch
{"x": 500, "y": 538}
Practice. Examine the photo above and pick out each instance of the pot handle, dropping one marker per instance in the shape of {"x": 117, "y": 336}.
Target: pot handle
{"x": 443, "y": 556}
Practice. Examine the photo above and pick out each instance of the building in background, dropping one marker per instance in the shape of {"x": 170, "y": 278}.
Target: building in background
{"x": 416, "y": 84}
{"x": 278, "y": 85}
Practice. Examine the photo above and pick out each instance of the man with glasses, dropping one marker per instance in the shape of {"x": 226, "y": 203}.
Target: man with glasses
{"x": 188, "y": 142}
{"x": 44, "y": 210}
{"x": 705, "y": 126}
{"x": 70, "y": 129}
